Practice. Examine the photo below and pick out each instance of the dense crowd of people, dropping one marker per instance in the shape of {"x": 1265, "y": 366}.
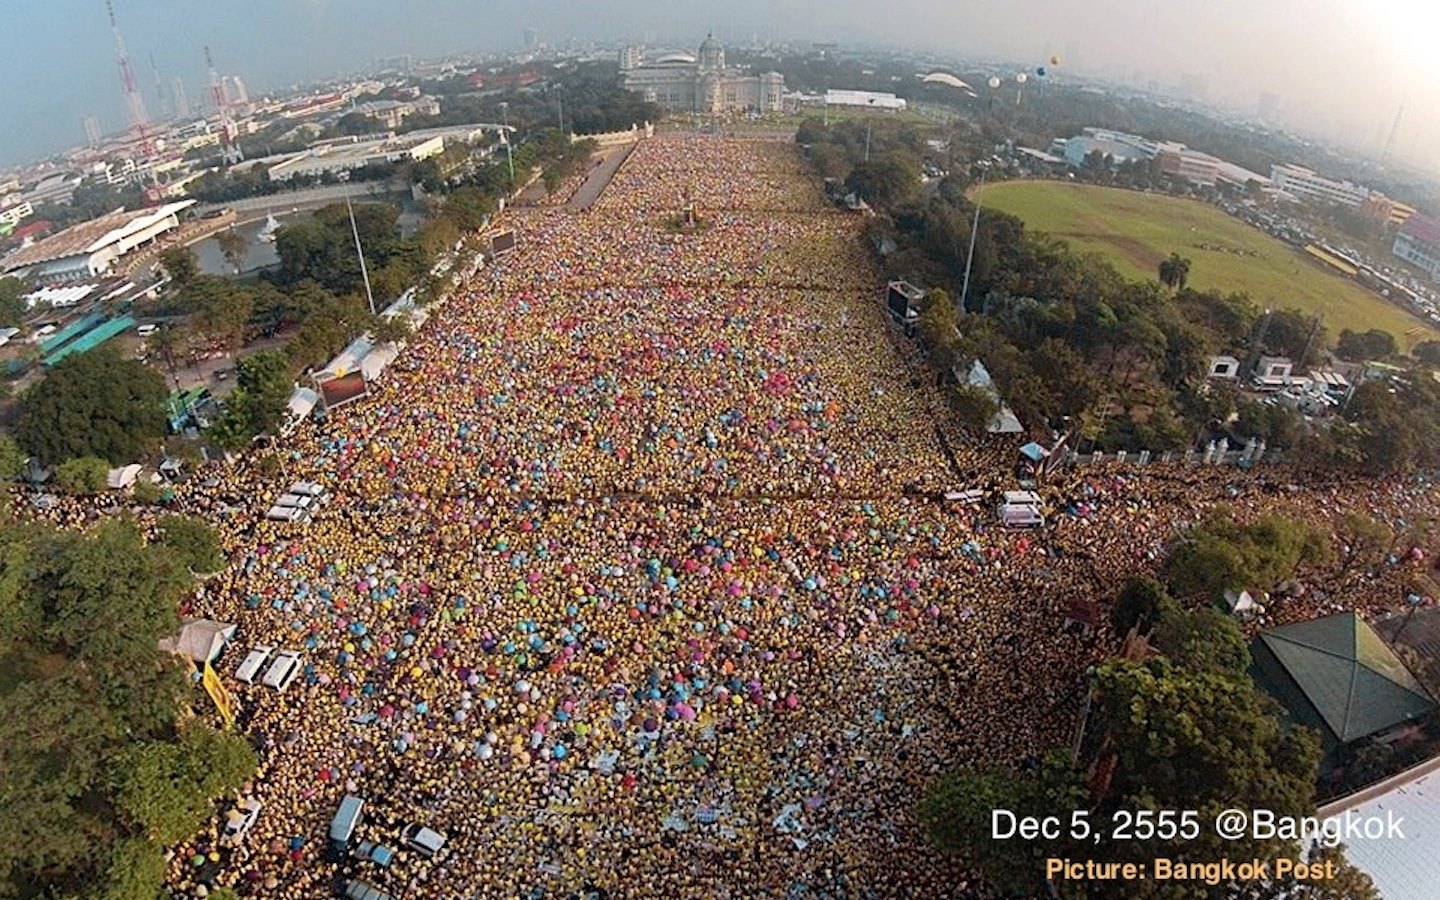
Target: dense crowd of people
{"x": 632, "y": 576}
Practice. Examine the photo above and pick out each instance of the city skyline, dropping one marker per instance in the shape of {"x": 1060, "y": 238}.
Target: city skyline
{"x": 1342, "y": 70}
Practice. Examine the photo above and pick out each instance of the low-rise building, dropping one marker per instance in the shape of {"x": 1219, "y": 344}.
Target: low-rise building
{"x": 11, "y": 216}
{"x": 90, "y": 249}
{"x": 337, "y": 159}
{"x": 1307, "y": 185}
{"x": 1418, "y": 243}
{"x": 864, "y": 99}
{"x": 391, "y": 113}
{"x": 1179, "y": 161}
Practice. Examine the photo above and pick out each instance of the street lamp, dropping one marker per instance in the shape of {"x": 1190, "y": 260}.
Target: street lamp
{"x": 974, "y": 229}
{"x": 364, "y": 274}
{"x": 505, "y": 133}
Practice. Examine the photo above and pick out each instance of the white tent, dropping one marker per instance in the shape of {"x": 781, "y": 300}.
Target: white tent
{"x": 377, "y": 359}
{"x": 1240, "y": 603}
{"x": 302, "y": 401}
{"x": 199, "y": 639}
{"x": 123, "y": 477}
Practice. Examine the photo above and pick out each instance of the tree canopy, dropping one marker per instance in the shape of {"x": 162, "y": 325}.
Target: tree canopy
{"x": 97, "y": 404}
{"x": 96, "y": 770}
{"x": 1221, "y": 554}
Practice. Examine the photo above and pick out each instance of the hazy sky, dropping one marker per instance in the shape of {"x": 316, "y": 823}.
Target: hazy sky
{"x": 1341, "y": 65}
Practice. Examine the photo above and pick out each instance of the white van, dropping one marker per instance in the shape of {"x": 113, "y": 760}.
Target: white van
{"x": 295, "y": 501}
{"x": 285, "y": 514}
{"x": 426, "y": 841}
{"x": 306, "y": 489}
{"x": 346, "y": 820}
{"x": 147, "y": 329}
{"x": 1022, "y": 498}
{"x": 283, "y": 670}
{"x": 249, "y": 668}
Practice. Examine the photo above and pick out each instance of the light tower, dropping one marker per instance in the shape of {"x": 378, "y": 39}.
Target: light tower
{"x": 229, "y": 150}
{"x": 133, "y": 100}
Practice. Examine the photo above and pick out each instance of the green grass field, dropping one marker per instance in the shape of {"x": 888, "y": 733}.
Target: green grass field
{"x": 1135, "y": 231}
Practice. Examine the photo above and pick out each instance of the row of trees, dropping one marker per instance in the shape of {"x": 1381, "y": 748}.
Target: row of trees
{"x": 103, "y": 762}
{"x": 1073, "y": 345}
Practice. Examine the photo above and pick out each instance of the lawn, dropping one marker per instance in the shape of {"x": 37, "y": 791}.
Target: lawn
{"x": 1135, "y": 231}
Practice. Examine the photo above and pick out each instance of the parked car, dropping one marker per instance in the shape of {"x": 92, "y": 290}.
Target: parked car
{"x": 279, "y": 513}
{"x": 283, "y": 670}
{"x": 424, "y": 840}
{"x": 239, "y": 821}
{"x": 379, "y": 854}
{"x": 355, "y": 889}
{"x": 345, "y": 821}
{"x": 306, "y": 489}
{"x": 250, "y": 667}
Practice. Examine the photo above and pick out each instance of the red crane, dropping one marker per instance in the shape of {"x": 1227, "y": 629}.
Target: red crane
{"x": 133, "y": 101}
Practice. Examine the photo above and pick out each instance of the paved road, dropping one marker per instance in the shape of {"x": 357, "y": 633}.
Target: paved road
{"x": 360, "y": 191}
{"x": 599, "y": 178}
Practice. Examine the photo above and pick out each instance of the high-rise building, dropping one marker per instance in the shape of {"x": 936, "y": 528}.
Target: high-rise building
{"x": 1268, "y": 108}
{"x": 630, "y": 58}
{"x": 177, "y": 95}
{"x": 532, "y": 39}
{"x": 92, "y": 131}
{"x": 235, "y": 90}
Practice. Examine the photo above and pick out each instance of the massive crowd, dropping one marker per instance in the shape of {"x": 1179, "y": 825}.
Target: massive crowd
{"x": 631, "y": 576}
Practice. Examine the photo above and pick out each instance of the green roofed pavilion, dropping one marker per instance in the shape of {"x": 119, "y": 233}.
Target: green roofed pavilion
{"x": 1335, "y": 672}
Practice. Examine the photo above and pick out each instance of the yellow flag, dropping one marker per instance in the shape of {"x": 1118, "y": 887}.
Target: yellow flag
{"x": 223, "y": 701}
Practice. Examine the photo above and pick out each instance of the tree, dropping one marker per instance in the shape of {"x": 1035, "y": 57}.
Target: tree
{"x": 83, "y": 475}
{"x": 257, "y": 405}
{"x": 1141, "y": 603}
{"x": 233, "y": 245}
{"x": 958, "y": 807}
{"x": 1365, "y": 540}
{"x": 1365, "y": 346}
{"x": 1202, "y": 740}
{"x": 195, "y": 543}
{"x": 1203, "y": 640}
{"x": 81, "y": 615}
{"x": 974, "y": 407}
{"x": 885, "y": 182}
{"x": 135, "y": 870}
{"x": 166, "y": 788}
{"x": 225, "y": 314}
{"x": 1220, "y": 554}
{"x": 355, "y": 123}
{"x": 180, "y": 265}
{"x": 12, "y": 458}
{"x": 96, "y": 403}
{"x": 1174, "y": 271}
{"x": 1293, "y": 334}
{"x": 1427, "y": 352}
{"x": 12, "y": 301}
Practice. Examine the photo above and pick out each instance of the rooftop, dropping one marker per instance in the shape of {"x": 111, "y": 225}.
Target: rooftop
{"x": 1421, "y": 228}
{"x": 1345, "y": 673}
{"x": 88, "y": 237}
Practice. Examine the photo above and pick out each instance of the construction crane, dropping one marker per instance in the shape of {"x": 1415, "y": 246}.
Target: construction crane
{"x": 136, "y": 104}
{"x": 229, "y": 149}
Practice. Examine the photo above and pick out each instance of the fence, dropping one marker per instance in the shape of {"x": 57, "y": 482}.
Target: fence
{"x": 1214, "y": 454}
{"x": 614, "y": 138}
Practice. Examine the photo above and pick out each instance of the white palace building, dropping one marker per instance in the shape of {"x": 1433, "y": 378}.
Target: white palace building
{"x": 703, "y": 84}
